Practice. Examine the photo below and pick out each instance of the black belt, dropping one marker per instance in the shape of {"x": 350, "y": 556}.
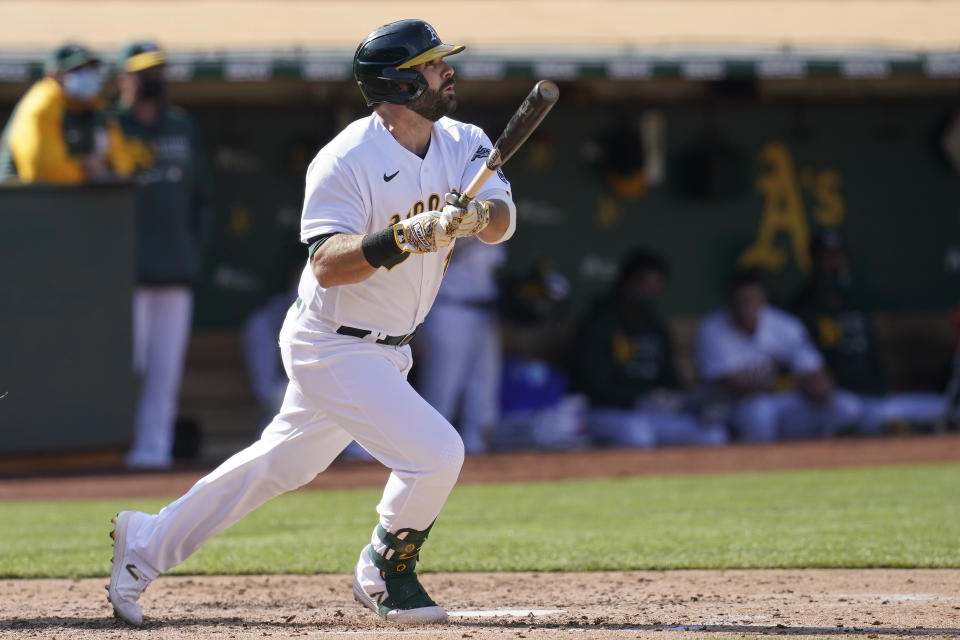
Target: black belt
{"x": 393, "y": 341}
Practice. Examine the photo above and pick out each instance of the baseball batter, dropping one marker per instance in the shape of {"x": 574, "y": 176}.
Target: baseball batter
{"x": 379, "y": 236}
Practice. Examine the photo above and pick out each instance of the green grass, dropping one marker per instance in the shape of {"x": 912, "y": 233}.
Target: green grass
{"x": 900, "y": 516}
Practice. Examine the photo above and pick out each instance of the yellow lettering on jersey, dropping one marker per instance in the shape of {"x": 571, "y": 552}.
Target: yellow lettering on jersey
{"x": 829, "y": 332}
{"x": 622, "y": 349}
{"x": 418, "y": 207}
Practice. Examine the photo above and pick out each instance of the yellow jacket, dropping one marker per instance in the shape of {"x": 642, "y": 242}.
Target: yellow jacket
{"x": 48, "y": 136}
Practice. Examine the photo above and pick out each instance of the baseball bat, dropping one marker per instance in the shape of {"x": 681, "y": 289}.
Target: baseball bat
{"x": 531, "y": 112}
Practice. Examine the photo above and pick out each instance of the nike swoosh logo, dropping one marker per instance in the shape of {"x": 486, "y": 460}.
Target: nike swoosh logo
{"x": 387, "y": 178}
{"x": 130, "y": 568}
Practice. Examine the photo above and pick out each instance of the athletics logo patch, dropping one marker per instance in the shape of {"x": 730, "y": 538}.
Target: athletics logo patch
{"x": 481, "y": 152}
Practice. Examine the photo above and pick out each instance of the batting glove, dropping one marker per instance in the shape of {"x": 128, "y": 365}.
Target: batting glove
{"x": 421, "y": 233}
{"x": 468, "y": 220}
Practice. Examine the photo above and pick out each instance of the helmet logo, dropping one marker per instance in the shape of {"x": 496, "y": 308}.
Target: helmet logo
{"x": 432, "y": 32}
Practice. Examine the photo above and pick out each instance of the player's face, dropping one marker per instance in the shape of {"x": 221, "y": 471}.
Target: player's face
{"x": 746, "y": 301}
{"x": 439, "y": 98}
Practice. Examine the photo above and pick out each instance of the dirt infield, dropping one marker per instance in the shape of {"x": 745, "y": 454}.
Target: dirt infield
{"x": 635, "y": 604}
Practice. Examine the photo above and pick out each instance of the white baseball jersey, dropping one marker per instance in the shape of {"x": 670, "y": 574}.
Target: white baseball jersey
{"x": 722, "y": 348}
{"x": 364, "y": 181}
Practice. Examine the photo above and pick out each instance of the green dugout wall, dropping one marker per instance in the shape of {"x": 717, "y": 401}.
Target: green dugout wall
{"x": 745, "y": 183}
{"x": 66, "y": 291}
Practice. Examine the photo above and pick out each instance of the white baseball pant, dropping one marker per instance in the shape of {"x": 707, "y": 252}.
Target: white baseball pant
{"x": 161, "y": 331}
{"x": 906, "y": 406}
{"x": 645, "y": 428}
{"x": 341, "y": 389}
{"x": 768, "y": 417}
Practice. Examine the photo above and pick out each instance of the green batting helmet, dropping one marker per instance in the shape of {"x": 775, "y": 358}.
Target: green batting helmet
{"x": 381, "y": 65}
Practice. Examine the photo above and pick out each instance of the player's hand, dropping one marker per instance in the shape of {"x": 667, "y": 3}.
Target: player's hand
{"x": 421, "y": 233}
{"x": 461, "y": 222}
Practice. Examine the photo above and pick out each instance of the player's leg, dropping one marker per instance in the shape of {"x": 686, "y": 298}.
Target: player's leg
{"x": 299, "y": 443}
{"x": 756, "y": 417}
{"x": 141, "y": 328}
{"x": 363, "y": 387}
{"x": 913, "y": 407}
{"x": 676, "y": 429}
{"x": 801, "y": 418}
{"x": 164, "y": 348}
{"x": 621, "y": 427}
{"x": 481, "y": 392}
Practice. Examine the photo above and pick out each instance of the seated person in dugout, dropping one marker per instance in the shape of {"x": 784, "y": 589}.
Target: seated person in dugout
{"x": 761, "y": 364}
{"x": 59, "y": 132}
{"x": 844, "y": 335}
{"x": 623, "y": 362}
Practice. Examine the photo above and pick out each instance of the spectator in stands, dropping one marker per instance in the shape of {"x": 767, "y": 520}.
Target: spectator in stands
{"x": 59, "y": 132}
{"x": 458, "y": 346}
{"x": 762, "y": 360}
{"x": 623, "y": 361}
{"x": 174, "y": 208}
{"x": 844, "y": 335}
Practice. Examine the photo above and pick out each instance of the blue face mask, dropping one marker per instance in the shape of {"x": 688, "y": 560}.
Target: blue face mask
{"x": 84, "y": 84}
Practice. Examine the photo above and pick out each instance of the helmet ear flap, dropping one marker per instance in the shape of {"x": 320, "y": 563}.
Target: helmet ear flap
{"x": 416, "y": 84}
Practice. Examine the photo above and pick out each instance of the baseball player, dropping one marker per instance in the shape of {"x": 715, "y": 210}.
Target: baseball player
{"x": 174, "y": 207}
{"x": 743, "y": 351}
{"x": 379, "y": 237}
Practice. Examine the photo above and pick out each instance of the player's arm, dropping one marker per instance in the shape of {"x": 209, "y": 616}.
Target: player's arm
{"x": 338, "y": 259}
{"x": 500, "y": 217}
{"x": 748, "y": 380}
{"x": 39, "y": 149}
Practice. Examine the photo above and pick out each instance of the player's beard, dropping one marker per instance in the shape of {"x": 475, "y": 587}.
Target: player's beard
{"x": 433, "y": 104}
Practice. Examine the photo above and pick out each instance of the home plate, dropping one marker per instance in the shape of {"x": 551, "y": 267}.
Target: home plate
{"x": 508, "y": 613}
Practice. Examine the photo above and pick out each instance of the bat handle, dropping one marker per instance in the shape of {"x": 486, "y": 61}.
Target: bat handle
{"x": 478, "y": 181}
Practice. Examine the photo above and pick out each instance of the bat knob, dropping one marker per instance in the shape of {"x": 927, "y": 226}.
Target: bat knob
{"x": 548, "y": 91}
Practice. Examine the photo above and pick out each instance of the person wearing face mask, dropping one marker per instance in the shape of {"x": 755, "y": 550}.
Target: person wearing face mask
{"x": 623, "y": 361}
{"x": 59, "y": 132}
{"x": 843, "y": 332}
{"x": 173, "y": 211}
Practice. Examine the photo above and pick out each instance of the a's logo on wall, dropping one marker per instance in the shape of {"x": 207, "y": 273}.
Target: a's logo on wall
{"x": 783, "y": 234}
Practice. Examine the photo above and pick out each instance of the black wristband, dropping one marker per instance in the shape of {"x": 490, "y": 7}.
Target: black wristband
{"x": 380, "y": 247}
